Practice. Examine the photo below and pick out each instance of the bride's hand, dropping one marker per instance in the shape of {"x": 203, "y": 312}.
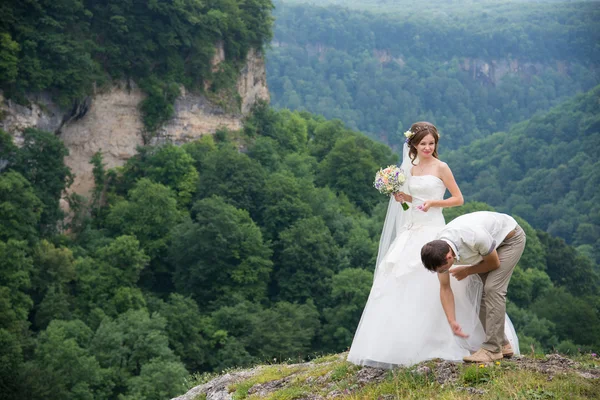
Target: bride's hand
{"x": 460, "y": 272}
{"x": 457, "y": 330}
{"x": 425, "y": 206}
{"x": 400, "y": 197}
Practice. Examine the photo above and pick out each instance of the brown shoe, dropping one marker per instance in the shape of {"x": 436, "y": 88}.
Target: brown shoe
{"x": 507, "y": 350}
{"x": 482, "y": 356}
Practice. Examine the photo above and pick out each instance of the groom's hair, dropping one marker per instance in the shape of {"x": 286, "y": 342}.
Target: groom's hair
{"x": 433, "y": 254}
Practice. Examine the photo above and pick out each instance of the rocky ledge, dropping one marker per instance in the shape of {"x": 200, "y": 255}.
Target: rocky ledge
{"x": 332, "y": 377}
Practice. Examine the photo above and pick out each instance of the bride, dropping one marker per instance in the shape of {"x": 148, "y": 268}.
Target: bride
{"x": 403, "y": 322}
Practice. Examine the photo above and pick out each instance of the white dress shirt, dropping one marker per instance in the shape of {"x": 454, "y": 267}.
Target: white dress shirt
{"x": 472, "y": 236}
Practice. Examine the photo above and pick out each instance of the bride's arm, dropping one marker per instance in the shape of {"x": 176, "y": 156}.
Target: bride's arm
{"x": 456, "y": 198}
{"x": 447, "y": 298}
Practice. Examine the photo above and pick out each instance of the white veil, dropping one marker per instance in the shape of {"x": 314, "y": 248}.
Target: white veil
{"x": 395, "y": 217}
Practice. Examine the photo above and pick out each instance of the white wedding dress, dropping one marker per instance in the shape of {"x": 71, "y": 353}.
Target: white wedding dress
{"x": 403, "y": 322}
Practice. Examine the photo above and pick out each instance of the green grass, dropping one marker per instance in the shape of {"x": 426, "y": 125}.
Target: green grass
{"x": 266, "y": 374}
{"x": 293, "y": 392}
{"x": 500, "y": 380}
{"x": 326, "y": 359}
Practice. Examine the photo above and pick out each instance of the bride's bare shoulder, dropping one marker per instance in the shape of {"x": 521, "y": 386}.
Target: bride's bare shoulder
{"x": 442, "y": 165}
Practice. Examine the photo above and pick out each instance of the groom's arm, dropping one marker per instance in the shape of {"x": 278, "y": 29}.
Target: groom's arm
{"x": 447, "y": 298}
{"x": 487, "y": 264}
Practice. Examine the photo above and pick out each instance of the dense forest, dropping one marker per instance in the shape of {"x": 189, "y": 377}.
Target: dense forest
{"x": 471, "y": 75}
{"x": 545, "y": 169}
{"x": 71, "y": 47}
{"x": 259, "y": 244}
{"x": 446, "y": 9}
{"x": 202, "y": 257}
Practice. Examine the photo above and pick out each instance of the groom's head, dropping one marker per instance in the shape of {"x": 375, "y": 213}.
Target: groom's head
{"x": 437, "y": 256}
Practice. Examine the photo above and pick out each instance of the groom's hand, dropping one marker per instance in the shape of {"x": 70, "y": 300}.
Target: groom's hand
{"x": 460, "y": 272}
{"x": 457, "y": 330}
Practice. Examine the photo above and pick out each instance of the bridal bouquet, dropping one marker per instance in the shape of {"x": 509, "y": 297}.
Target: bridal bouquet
{"x": 390, "y": 180}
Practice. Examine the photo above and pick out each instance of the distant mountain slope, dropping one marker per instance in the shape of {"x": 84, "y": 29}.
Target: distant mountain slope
{"x": 471, "y": 73}
{"x": 545, "y": 170}
{"x": 441, "y": 8}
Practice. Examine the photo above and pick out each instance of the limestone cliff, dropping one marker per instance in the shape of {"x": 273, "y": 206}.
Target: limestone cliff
{"x": 110, "y": 121}
{"x": 488, "y": 71}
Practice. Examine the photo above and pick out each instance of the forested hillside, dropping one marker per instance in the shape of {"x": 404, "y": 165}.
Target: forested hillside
{"x": 472, "y": 71}
{"x": 202, "y": 257}
{"x": 259, "y": 244}
{"x": 545, "y": 170}
{"x": 70, "y": 47}
{"x": 441, "y": 8}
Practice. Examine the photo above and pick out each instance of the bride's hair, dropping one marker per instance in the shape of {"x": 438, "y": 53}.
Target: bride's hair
{"x": 433, "y": 254}
{"x": 419, "y": 131}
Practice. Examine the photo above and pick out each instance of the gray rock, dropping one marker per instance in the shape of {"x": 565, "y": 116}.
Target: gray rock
{"x": 471, "y": 390}
{"x": 369, "y": 375}
{"x": 217, "y": 388}
{"x": 263, "y": 389}
{"x": 311, "y": 397}
{"x": 422, "y": 370}
{"x": 446, "y": 371}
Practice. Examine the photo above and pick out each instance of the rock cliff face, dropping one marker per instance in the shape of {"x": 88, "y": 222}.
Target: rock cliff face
{"x": 487, "y": 71}
{"x": 110, "y": 120}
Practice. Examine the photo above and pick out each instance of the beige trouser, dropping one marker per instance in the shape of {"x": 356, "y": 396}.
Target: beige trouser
{"x": 495, "y": 283}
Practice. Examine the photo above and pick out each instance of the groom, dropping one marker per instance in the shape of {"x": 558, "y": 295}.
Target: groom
{"x": 488, "y": 244}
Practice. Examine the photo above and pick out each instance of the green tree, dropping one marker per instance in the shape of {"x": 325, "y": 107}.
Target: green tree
{"x": 20, "y": 208}
{"x": 11, "y": 365}
{"x": 158, "y": 379}
{"x": 567, "y": 312}
{"x": 526, "y": 285}
{"x": 305, "y": 250}
{"x": 130, "y": 342}
{"x": 324, "y": 136}
{"x": 360, "y": 250}
{"x": 282, "y": 204}
{"x": 533, "y": 255}
{"x": 149, "y": 213}
{"x": 9, "y": 59}
{"x": 350, "y": 167}
{"x": 200, "y": 150}
{"x": 219, "y": 254}
{"x": 168, "y": 165}
{"x": 186, "y": 329}
{"x": 234, "y": 176}
{"x": 15, "y": 281}
{"x": 535, "y": 333}
{"x": 70, "y": 370}
{"x": 567, "y": 268}
{"x": 171, "y": 166}
{"x": 291, "y": 134}
{"x": 265, "y": 151}
{"x": 107, "y": 279}
{"x": 52, "y": 276}
{"x": 282, "y": 331}
{"x": 349, "y": 292}
{"x": 41, "y": 162}
{"x": 302, "y": 166}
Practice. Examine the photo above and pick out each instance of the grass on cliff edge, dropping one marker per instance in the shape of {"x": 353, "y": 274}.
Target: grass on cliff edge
{"x": 509, "y": 379}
